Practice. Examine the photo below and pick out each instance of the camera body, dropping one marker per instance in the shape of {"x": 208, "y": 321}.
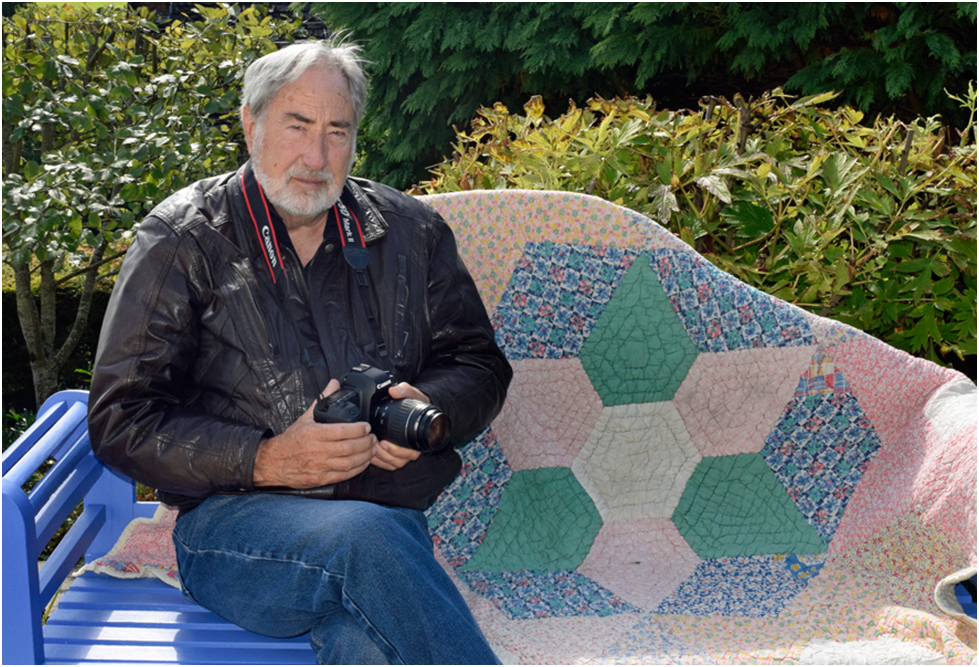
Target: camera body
{"x": 363, "y": 396}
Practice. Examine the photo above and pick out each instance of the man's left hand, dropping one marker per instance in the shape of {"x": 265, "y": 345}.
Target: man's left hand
{"x": 390, "y": 456}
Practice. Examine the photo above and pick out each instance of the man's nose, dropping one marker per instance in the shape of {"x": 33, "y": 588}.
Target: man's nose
{"x": 317, "y": 153}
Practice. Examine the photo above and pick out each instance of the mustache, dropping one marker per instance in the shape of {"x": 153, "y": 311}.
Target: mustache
{"x": 310, "y": 174}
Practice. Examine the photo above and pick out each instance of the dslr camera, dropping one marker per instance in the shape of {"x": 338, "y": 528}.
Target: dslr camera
{"x": 363, "y": 396}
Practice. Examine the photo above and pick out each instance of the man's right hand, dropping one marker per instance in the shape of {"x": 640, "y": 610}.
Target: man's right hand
{"x": 309, "y": 454}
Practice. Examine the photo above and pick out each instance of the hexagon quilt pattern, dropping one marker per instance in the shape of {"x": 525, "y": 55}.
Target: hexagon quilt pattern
{"x": 675, "y": 444}
{"x": 638, "y": 350}
{"x": 637, "y": 461}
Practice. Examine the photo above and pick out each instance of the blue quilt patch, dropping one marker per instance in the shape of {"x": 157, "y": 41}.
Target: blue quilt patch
{"x": 531, "y": 594}
{"x": 555, "y": 296}
{"x": 754, "y": 586}
{"x": 459, "y": 519}
{"x": 722, "y": 314}
{"x": 819, "y": 451}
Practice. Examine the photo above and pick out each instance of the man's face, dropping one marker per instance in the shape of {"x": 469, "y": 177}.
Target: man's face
{"x": 301, "y": 151}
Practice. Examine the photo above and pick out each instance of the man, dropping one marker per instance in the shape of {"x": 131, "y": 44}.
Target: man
{"x": 241, "y": 300}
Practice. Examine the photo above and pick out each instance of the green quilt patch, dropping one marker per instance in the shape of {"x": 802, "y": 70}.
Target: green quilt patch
{"x": 735, "y": 506}
{"x": 638, "y": 351}
{"x": 546, "y": 522}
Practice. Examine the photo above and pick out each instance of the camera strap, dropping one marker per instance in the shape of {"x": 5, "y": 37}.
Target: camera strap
{"x": 355, "y": 252}
{"x": 258, "y": 211}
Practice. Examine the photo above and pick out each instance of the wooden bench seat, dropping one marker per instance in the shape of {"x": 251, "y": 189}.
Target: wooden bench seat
{"x": 101, "y": 619}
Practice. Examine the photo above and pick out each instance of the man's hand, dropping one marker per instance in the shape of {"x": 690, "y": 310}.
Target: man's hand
{"x": 309, "y": 454}
{"x": 390, "y": 456}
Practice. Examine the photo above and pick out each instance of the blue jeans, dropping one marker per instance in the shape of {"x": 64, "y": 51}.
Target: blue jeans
{"x": 360, "y": 577}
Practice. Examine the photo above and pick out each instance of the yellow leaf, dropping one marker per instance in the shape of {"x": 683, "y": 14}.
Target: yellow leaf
{"x": 534, "y": 109}
{"x": 763, "y": 170}
{"x": 853, "y": 115}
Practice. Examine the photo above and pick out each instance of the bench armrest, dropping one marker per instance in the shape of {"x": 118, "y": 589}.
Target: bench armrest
{"x": 58, "y": 442}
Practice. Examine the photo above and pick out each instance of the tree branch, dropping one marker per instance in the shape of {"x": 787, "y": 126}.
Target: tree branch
{"x": 97, "y": 53}
{"x": 47, "y": 310}
{"x": 90, "y": 267}
{"x": 8, "y": 148}
{"x": 11, "y": 151}
{"x": 30, "y": 322}
{"x": 84, "y": 305}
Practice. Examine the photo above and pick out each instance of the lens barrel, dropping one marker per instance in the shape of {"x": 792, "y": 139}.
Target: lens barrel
{"x": 410, "y": 423}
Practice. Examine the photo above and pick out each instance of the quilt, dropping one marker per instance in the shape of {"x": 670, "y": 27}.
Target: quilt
{"x": 688, "y": 470}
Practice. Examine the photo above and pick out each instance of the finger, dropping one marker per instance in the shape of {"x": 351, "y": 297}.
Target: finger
{"x": 397, "y": 452}
{"x": 355, "y": 461}
{"x": 384, "y": 465}
{"x": 331, "y": 387}
{"x": 391, "y": 462}
{"x": 325, "y": 433}
{"x": 340, "y": 476}
{"x": 405, "y": 390}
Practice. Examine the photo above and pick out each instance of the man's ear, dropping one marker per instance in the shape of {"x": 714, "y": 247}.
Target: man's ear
{"x": 248, "y": 127}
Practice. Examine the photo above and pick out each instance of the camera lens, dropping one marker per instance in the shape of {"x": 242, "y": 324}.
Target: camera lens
{"x": 410, "y": 423}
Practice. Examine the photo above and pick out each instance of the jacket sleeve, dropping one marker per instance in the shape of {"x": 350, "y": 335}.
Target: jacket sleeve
{"x": 142, "y": 419}
{"x": 468, "y": 376}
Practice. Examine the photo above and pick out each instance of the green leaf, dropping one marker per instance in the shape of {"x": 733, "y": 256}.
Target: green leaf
{"x": 50, "y": 70}
{"x": 755, "y": 221}
{"x": 716, "y": 186}
{"x": 964, "y": 247}
{"x": 842, "y": 276}
{"x": 926, "y": 235}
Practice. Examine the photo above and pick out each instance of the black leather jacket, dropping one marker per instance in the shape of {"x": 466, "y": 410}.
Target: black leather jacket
{"x": 198, "y": 359}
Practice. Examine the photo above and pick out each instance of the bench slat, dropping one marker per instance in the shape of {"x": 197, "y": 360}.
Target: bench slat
{"x": 93, "y": 582}
{"x": 199, "y": 620}
{"x": 147, "y": 600}
{"x": 47, "y": 443}
{"x": 74, "y": 654}
{"x": 228, "y": 636}
{"x": 69, "y": 550}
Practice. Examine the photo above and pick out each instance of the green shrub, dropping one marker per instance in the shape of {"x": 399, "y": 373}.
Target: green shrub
{"x": 872, "y": 225}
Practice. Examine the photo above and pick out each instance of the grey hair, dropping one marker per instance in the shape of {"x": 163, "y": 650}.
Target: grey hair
{"x": 265, "y": 77}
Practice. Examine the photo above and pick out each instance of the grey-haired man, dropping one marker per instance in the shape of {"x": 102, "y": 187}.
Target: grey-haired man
{"x": 241, "y": 301}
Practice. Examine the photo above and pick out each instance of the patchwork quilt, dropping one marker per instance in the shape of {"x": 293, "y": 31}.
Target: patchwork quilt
{"x": 687, "y": 470}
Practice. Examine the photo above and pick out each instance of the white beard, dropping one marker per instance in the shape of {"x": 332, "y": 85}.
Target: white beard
{"x": 295, "y": 201}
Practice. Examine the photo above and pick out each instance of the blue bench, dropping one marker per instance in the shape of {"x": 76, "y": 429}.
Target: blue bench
{"x": 99, "y": 619}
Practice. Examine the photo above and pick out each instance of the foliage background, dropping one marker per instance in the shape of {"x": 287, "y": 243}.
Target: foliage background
{"x": 435, "y": 64}
{"x": 872, "y": 224}
{"x": 105, "y": 113}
